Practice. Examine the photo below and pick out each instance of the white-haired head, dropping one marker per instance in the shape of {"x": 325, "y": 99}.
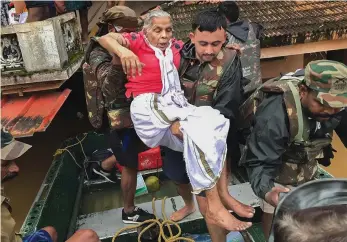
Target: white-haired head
{"x": 158, "y": 28}
{"x": 154, "y": 14}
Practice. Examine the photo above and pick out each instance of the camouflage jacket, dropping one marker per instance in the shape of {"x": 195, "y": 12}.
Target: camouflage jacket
{"x": 216, "y": 84}
{"x": 105, "y": 89}
{"x": 284, "y": 145}
{"x": 246, "y": 35}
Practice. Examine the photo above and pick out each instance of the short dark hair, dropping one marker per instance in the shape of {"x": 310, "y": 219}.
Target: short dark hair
{"x": 326, "y": 223}
{"x": 209, "y": 20}
{"x": 230, "y": 10}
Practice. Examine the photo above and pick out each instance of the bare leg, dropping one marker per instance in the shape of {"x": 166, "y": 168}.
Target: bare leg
{"x": 84, "y": 24}
{"x": 217, "y": 214}
{"x": 186, "y": 193}
{"x": 37, "y": 14}
{"x": 109, "y": 163}
{"x": 52, "y": 232}
{"x": 266, "y": 222}
{"x": 230, "y": 202}
{"x": 84, "y": 235}
{"x": 128, "y": 184}
{"x": 217, "y": 234}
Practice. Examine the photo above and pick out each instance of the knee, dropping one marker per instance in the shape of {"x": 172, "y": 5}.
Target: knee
{"x": 129, "y": 172}
{"x": 87, "y": 235}
{"x": 52, "y": 232}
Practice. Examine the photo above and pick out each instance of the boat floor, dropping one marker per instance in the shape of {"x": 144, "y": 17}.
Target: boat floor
{"x": 68, "y": 202}
{"x": 107, "y": 223}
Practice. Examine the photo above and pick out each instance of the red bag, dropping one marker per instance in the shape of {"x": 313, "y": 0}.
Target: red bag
{"x": 148, "y": 160}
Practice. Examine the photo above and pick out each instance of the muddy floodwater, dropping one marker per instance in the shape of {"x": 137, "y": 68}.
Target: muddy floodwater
{"x": 35, "y": 163}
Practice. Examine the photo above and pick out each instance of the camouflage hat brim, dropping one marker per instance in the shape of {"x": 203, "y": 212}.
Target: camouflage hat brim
{"x": 333, "y": 100}
{"x": 14, "y": 150}
{"x": 329, "y": 79}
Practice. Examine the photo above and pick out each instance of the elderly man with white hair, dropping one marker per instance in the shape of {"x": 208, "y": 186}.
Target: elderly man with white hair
{"x": 162, "y": 115}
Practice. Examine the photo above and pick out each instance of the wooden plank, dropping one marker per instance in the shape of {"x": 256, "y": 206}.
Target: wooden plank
{"x": 298, "y": 49}
{"x": 33, "y": 87}
{"x": 23, "y": 116}
{"x": 99, "y": 9}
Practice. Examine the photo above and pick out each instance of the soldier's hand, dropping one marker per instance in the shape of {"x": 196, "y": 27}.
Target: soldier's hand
{"x": 130, "y": 63}
{"x": 234, "y": 47}
{"x": 175, "y": 130}
{"x": 272, "y": 196}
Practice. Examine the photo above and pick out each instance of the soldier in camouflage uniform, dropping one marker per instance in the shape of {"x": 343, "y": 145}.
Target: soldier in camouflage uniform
{"x": 210, "y": 77}
{"x": 246, "y": 35}
{"x": 108, "y": 109}
{"x": 293, "y": 123}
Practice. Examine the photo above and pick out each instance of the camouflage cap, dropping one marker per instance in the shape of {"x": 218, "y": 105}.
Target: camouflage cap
{"x": 329, "y": 79}
{"x": 11, "y": 148}
{"x": 121, "y": 16}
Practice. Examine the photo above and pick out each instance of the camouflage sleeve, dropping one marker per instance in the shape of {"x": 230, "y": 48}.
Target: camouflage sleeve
{"x": 341, "y": 129}
{"x": 266, "y": 144}
{"x": 111, "y": 77}
{"x": 229, "y": 92}
{"x": 97, "y": 57}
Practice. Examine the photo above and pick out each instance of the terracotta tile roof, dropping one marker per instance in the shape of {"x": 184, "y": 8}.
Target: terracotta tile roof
{"x": 284, "y": 22}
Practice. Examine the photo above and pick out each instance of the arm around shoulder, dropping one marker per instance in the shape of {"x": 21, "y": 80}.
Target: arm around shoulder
{"x": 114, "y": 43}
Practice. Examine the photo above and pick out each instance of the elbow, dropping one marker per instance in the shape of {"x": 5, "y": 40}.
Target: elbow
{"x": 102, "y": 41}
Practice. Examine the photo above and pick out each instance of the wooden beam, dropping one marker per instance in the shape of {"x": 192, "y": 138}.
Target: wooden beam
{"x": 305, "y": 48}
{"x": 34, "y": 87}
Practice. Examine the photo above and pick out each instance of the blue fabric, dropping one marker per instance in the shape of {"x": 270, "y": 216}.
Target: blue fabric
{"x": 38, "y": 236}
{"x": 126, "y": 140}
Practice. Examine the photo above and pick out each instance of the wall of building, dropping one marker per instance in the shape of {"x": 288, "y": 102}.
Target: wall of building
{"x": 273, "y": 67}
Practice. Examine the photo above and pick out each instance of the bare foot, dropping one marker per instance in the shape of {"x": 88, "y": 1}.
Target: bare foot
{"x": 239, "y": 208}
{"x": 182, "y": 213}
{"x": 222, "y": 218}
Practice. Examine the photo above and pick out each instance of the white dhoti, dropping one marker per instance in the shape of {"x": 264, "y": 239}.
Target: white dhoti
{"x": 204, "y": 130}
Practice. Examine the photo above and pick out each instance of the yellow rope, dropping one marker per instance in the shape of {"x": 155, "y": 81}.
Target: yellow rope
{"x": 60, "y": 151}
{"x": 153, "y": 222}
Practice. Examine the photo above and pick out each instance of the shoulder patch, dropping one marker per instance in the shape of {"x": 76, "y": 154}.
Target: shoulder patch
{"x": 177, "y": 46}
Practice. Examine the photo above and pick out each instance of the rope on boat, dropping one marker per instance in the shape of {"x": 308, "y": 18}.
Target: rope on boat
{"x": 156, "y": 221}
{"x": 151, "y": 222}
{"x": 60, "y": 151}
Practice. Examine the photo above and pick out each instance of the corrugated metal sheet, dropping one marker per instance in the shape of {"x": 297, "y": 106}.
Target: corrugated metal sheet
{"x": 290, "y": 22}
{"x": 23, "y": 116}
